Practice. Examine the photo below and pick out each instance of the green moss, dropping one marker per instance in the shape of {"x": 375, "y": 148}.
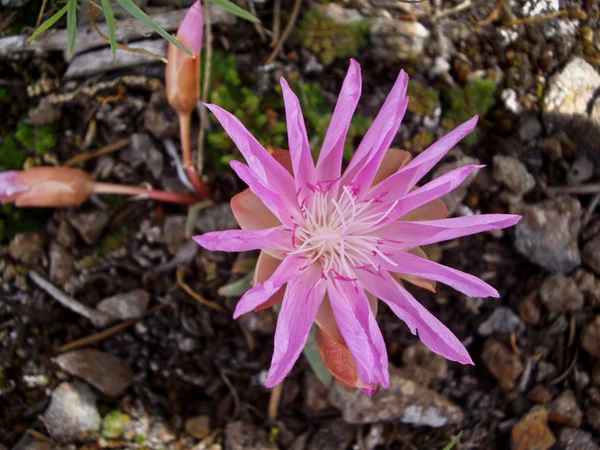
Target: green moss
{"x": 330, "y": 40}
{"x": 462, "y": 103}
{"x": 423, "y": 100}
{"x": 114, "y": 240}
{"x": 40, "y": 139}
{"x": 5, "y": 96}
{"x": 114, "y": 423}
{"x": 15, "y": 220}
{"x": 419, "y": 142}
{"x": 11, "y": 157}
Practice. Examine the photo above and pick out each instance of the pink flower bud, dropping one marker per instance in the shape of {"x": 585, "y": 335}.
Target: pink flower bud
{"x": 183, "y": 70}
{"x": 45, "y": 187}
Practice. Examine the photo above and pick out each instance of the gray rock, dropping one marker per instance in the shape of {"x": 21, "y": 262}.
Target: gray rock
{"x": 89, "y": 225}
{"x": 315, "y": 394}
{"x": 513, "y": 174}
{"x": 13, "y": 3}
{"x": 129, "y": 305}
{"x": 244, "y": 436}
{"x": 45, "y": 113}
{"x": 423, "y": 366}
{"x": 571, "y": 90}
{"x": 455, "y": 197}
{"x": 564, "y": 409}
{"x": 143, "y": 152}
{"x": 591, "y": 253}
{"x": 592, "y": 417}
{"x": 560, "y": 294}
{"x": 341, "y": 15}
{"x": 404, "y": 401}
{"x": 107, "y": 373}
{"x": 218, "y": 218}
{"x": 395, "y": 40}
{"x": 531, "y": 128}
{"x": 62, "y": 263}
{"x": 503, "y": 320}
{"x": 72, "y": 412}
{"x": 333, "y": 435}
{"x": 159, "y": 118}
{"x": 174, "y": 233}
{"x": 502, "y": 363}
{"x": 580, "y": 171}
{"x": 590, "y": 337}
{"x": 575, "y": 439}
{"x": 595, "y": 115}
{"x": 27, "y": 248}
{"x": 547, "y": 235}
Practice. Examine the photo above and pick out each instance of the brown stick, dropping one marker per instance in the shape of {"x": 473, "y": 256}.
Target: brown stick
{"x": 286, "y": 32}
{"x": 101, "y": 151}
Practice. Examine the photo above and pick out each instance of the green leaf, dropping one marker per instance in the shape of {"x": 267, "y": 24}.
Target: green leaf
{"x": 453, "y": 442}
{"x": 71, "y": 25}
{"x": 312, "y": 355}
{"x": 234, "y": 9}
{"x": 140, "y": 15}
{"x": 48, "y": 23}
{"x": 237, "y": 288}
{"x": 110, "y": 23}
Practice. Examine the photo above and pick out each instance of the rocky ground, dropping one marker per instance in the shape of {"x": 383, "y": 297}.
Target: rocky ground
{"x": 152, "y": 358}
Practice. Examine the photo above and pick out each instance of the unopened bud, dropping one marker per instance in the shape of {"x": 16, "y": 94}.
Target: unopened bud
{"x": 45, "y": 187}
{"x": 183, "y": 70}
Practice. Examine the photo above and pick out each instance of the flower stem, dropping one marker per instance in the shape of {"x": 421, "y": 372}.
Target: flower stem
{"x": 186, "y": 146}
{"x": 155, "y": 194}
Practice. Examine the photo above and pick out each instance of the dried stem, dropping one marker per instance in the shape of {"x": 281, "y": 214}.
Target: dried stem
{"x": 195, "y": 295}
{"x": 101, "y": 151}
{"x": 286, "y": 32}
{"x": 205, "y": 89}
{"x": 274, "y": 401}
{"x": 276, "y": 22}
{"x": 41, "y": 14}
{"x": 143, "y": 192}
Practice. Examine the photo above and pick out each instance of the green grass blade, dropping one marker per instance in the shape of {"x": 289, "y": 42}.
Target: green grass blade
{"x": 110, "y": 23}
{"x": 140, "y": 15}
{"x": 453, "y": 442}
{"x": 312, "y": 355}
{"x": 235, "y": 9}
{"x": 48, "y": 23}
{"x": 71, "y": 25}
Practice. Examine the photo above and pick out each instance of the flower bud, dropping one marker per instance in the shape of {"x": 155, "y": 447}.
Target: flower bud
{"x": 45, "y": 187}
{"x": 339, "y": 361}
{"x": 183, "y": 70}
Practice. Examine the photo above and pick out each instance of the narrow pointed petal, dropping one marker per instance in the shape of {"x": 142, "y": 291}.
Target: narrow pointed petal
{"x": 251, "y": 213}
{"x": 369, "y": 154}
{"x": 265, "y": 268}
{"x": 411, "y": 234}
{"x": 409, "y": 264}
{"x": 393, "y": 161}
{"x": 403, "y": 181}
{"x": 302, "y": 298}
{"x": 417, "y": 281}
{"x": 329, "y": 165}
{"x": 244, "y": 240}
{"x": 259, "y": 294}
{"x": 302, "y": 162}
{"x": 430, "y": 191}
{"x": 361, "y": 333}
{"x": 269, "y": 171}
{"x": 434, "y": 334}
{"x": 192, "y": 27}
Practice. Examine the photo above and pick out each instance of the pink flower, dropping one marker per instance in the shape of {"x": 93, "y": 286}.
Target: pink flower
{"x": 183, "y": 70}
{"x": 331, "y": 242}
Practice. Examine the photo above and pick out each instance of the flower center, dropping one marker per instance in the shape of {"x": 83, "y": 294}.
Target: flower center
{"x": 335, "y": 233}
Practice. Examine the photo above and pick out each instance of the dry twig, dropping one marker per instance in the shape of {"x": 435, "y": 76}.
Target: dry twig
{"x": 205, "y": 90}
{"x": 274, "y": 401}
{"x": 288, "y": 29}
{"x": 101, "y": 151}
{"x": 182, "y": 284}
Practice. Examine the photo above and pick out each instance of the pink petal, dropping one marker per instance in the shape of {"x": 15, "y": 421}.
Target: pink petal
{"x": 361, "y": 333}
{"x": 302, "y": 162}
{"x": 302, "y": 298}
{"x": 262, "y": 292}
{"x": 245, "y": 240}
{"x": 432, "y": 332}
{"x": 409, "y": 264}
{"x": 281, "y": 207}
{"x": 428, "y": 192}
{"x": 192, "y": 26}
{"x": 411, "y": 234}
{"x": 363, "y": 166}
{"x": 329, "y": 165}
{"x": 269, "y": 171}
{"x": 251, "y": 213}
{"x": 9, "y": 186}
{"x": 403, "y": 181}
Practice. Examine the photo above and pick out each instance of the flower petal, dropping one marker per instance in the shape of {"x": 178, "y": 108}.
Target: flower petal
{"x": 393, "y": 161}
{"x": 302, "y": 298}
{"x": 269, "y": 171}
{"x": 251, "y": 213}
{"x": 417, "y": 281}
{"x": 329, "y": 164}
{"x": 432, "y": 231}
{"x": 406, "y": 263}
{"x": 361, "y": 333}
{"x": 9, "y": 186}
{"x": 302, "y": 162}
{"x": 404, "y": 180}
{"x": 243, "y": 240}
{"x": 259, "y": 294}
{"x": 432, "y": 332}
{"x": 367, "y": 159}
{"x": 265, "y": 268}
{"x": 192, "y": 26}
